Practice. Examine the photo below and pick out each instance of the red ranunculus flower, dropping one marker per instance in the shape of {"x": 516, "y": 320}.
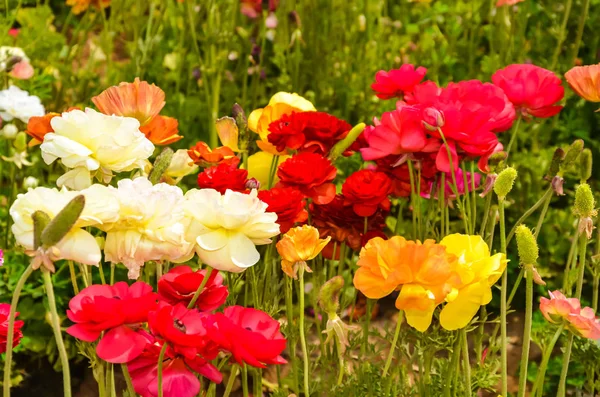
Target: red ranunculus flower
{"x": 396, "y": 82}
{"x": 366, "y": 191}
{"x": 252, "y": 336}
{"x": 310, "y": 173}
{"x": 17, "y": 335}
{"x": 287, "y": 203}
{"x": 534, "y": 91}
{"x": 223, "y": 177}
{"x": 181, "y": 283}
{"x": 400, "y": 174}
{"x": 117, "y": 310}
{"x": 307, "y": 131}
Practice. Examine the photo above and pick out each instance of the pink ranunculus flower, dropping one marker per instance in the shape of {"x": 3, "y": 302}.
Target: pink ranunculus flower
{"x": 559, "y": 308}
{"x": 22, "y": 71}
{"x": 397, "y": 82}
{"x": 585, "y": 323}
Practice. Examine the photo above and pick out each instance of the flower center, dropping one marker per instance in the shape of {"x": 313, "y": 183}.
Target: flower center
{"x": 178, "y": 324}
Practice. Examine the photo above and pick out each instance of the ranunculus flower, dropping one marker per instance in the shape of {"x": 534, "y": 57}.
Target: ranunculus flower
{"x": 298, "y": 245}
{"x": 287, "y": 203}
{"x": 39, "y": 126}
{"x": 181, "y": 165}
{"x": 181, "y": 283}
{"x": 204, "y": 156}
{"x": 149, "y": 227}
{"x": 585, "y": 324}
{"x": 366, "y": 191}
{"x": 253, "y": 8}
{"x": 22, "y": 70}
{"x": 118, "y": 311}
{"x": 534, "y": 91}
{"x": 280, "y": 104}
{"x": 17, "y": 335}
{"x": 225, "y": 228}
{"x": 501, "y": 3}
{"x": 560, "y": 309}
{"x": 223, "y": 177}
{"x": 310, "y": 173}
{"x": 18, "y": 104}
{"x": 396, "y": 82}
{"x": 476, "y": 273}
{"x": 91, "y": 143}
{"x": 585, "y": 81}
{"x": 139, "y": 100}
{"x": 162, "y": 130}
{"x": 449, "y": 186}
{"x": 259, "y": 167}
{"x": 252, "y": 336}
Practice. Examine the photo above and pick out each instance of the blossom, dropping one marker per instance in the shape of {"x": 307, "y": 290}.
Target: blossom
{"x": 203, "y": 155}
{"x": 224, "y": 229}
{"x": 117, "y": 310}
{"x": 4, "y": 318}
{"x": 22, "y": 70}
{"x": 560, "y": 309}
{"x": 472, "y": 179}
{"x": 310, "y": 173}
{"x": 367, "y": 190}
{"x": 259, "y": 167}
{"x": 223, "y": 177}
{"x": 476, "y": 273}
{"x": 162, "y": 130}
{"x": 93, "y": 144}
{"x": 139, "y": 100}
{"x": 253, "y": 8}
{"x": 585, "y": 81}
{"x": 80, "y": 6}
{"x": 298, "y": 245}
{"x": 8, "y": 55}
{"x": 252, "y": 336}
{"x": 181, "y": 165}
{"x": 534, "y": 91}
{"x": 287, "y": 203}
{"x": 585, "y": 324}
{"x": 149, "y": 227}
{"x": 181, "y": 283}
{"x": 39, "y": 126}
{"x": 396, "y": 82}
{"x": 501, "y": 3}
{"x": 18, "y": 104}
{"x": 280, "y": 104}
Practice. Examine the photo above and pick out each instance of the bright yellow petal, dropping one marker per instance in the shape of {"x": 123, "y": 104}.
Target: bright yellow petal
{"x": 253, "y": 119}
{"x": 294, "y": 100}
{"x": 418, "y": 304}
{"x": 259, "y": 166}
{"x": 458, "y": 313}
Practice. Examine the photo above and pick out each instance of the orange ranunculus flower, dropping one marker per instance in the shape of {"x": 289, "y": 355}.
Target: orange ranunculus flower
{"x": 585, "y": 81}
{"x": 298, "y": 245}
{"x": 139, "y": 100}
{"x": 280, "y": 104}
{"x": 228, "y": 132}
{"x": 421, "y": 271}
{"x": 80, "y": 6}
{"x": 162, "y": 130}
{"x": 38, "y": 126}
{"x": 202, "y": 155}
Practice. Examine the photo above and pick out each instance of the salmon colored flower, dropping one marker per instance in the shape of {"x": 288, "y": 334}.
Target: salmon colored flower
{"x": 22, "y": 70}
{"x": 280, "y": 104}
{"x": 38, "y": 126}
{"x": 298, "y": 245}
{"x": 139, "y": 100}
{"x": 585, "y": 81}
{"x": 204, "y": 156}
{"x": 162, "y": 130}
{"x": 475, "y": 274}
{"x": 560, "y": 309}
{"x": 501, "y": 3}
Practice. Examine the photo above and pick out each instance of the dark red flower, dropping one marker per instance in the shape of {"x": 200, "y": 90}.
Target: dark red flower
{"x": 396, "y": 82}
{"x": 287, "y": 203}
{"x": 367, "y": 190}
{"x": 400, "y": 174}
{"x": 253, "y": 8}
{"x": 181, "y": 283}
{"x": 4, "y": 317}
{"x": 222, "y": 177}
{"x": 117, "y": 310}
{"x": 310, "y": 173}
{"x": 534, "y": 91}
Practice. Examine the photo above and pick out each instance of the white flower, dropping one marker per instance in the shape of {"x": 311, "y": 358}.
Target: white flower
{"x": 9, "y": 131}
{"x": 30, "y": 182}
{"x": 225, "y": 229}
{"x": 94, "y": 144}
{"x": 149, "y": 227}
{"x": 78, "y": 245}
{"x": 18, "y": 158}
{"x": 6, "y": 53}
{"x": 181, "y": 165}
{"x": 18, "y": 104}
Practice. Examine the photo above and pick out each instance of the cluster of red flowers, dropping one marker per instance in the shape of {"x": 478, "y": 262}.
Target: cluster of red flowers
{"x": 4, "y": 313}
{"x": 135, "y": 325}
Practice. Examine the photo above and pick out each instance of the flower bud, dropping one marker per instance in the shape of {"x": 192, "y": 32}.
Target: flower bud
{"x": 584, "y": 202}
{"x": 63, "y": 222}
{"x": 557, "y": 185}
{"x": 20, "y": 142}
{"x": 505, "y": 181}
{"x": 10, "y": 131}
{"x": 252, "y": 183}
{"x": 526, "y": 245}
{"x": 40, "y": 221}
{"x": 30, "y": 182}
{"x": 433, "y": 119}
{"x": 162, "y": 162}
{"x": 488, "y": 185}
{"x": 585, "y": 165}
{"x": 572, "y": 154}
{"x": 345, "y": 143}
{"x": 330, "y": 294}
{"x": 294, "y": 18}
{"x": 557, "y": 159}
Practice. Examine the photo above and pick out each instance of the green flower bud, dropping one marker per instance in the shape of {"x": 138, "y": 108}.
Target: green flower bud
{"x": 63, "y": 222}
{"x": 20, "y": 141}
{"x": 345, "y": 143}
{"x": 585, "y": 165}
{"x": 572, "y": 154}
{"x": 505, "y": 181}
{"x": 40, "y": 221}
{"x": 584, "y": 202}
{"x": 557, "y": 160}
{"x": 329, "y": 294}
{"x": 526, "y": 245}
{"x": 162, "y": 162}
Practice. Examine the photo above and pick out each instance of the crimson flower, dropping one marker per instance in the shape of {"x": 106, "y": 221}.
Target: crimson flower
{"x": 17, "y": 335}
{"x": 310, "y": 173}
{"x": 253, "y": 8}
{"x": 287, "y": 203}
{"x": 534, "y": 91}
{"x": 400, "y": 174}
{"x": 181, "y": 283}
{"x": 117, "y": 311}
{"x": 366, "y": 191}
{"x": 252, "y": 336}
{"x": 222, "y": 177}
{"x": 396, "y": 82}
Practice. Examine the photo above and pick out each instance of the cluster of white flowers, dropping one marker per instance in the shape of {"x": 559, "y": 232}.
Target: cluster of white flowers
{"x": 16, "y": 103}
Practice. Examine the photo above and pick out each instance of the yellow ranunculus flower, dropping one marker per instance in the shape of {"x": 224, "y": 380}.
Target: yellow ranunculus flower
{"x": 298, "y": 245}
{"x": 280, "y": 104}
{"x": 476, "y": 273}
{"x": 259, "y": 167}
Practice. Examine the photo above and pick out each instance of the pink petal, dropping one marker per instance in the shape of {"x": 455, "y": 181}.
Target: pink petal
{"x": 120, "y": 345}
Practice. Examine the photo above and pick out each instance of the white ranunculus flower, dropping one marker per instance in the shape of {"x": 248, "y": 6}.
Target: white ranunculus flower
{"x": 93, "y": 144}
{"x": 225, "y": 229}
{"x": 18, "y": 104}
{"x": 149, "y": 226}
{"x": 6, "y": 53}
{"x": 181, "y": 165}
{"x": 78, "y": 245}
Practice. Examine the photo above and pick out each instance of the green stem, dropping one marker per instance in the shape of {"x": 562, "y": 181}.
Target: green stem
{"x": 562, "y": 384}
{"x": 128, "y": 381}
{"x": 231, "y": 381}
{"x": 302, "y": 336}
{"x": 582, "y": 258}
{"x": 340, "y": 353}
{"x": 161, "y": 358}
{"x": 388, "y": 361}
{"x": 451, "y": 368}
{"x": 547, "y": 196}
{"x": 245, "y": 380}
{"x": 539, "y": 380}
{"x": 513, "y": 137}
{"x": 292, "y": 337}
{"x": 527, "y": 330}
{"x": 503, "y": 303}
{"x": 466, "y": 362}
{"x": 258, "y": 382}
{"x": 73, "y": 277}
{"x": 562, "y": 34}
{"x": 209, "y": 270}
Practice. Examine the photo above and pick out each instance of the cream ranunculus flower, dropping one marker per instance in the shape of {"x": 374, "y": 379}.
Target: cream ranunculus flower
{"x": 94, "y": 144}
{"x": 78, "y": 245}
{"x": 149, "y": 227}
{"x": 16, "y": 103}
{"x": 225, "y": 229}
{"x": 181, "y": 165}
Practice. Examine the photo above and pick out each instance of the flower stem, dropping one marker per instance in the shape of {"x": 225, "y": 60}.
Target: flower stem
{"x": 562, "y": 384}
{"x": 340, "y": 353}
{"x": 562, "y": 34}
{"x": 245, "y": 380}
{"x": 547, "y": 196}
{"x": 466, "y": 361}
{"x": 527, "y": 330}
{"x": 231, "y": 381}
{"x": 161, "y": 358}
{"x": 73, "y": 277}
{"x": 292, "y": 337}
{"x": 11, "y": 329}
{"x": 539, "y": 381}
{"x": 60, "y": 344}
{"x": 127, "y": 377}
{"x": 582, "y": 259}
{"x": 503, "y": 303}
{"x": 302, "y": 336}
{"x": 513, "y": 137}
{"x": 451, "y": 368}
{"x": 209, "y": 270}
{"x": 388, "y": 361}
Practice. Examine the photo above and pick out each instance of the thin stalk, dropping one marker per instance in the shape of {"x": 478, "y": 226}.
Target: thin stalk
{"x": 451, "y": 368}
{"x": 473, "y": 199}
{"x": 302, "y": 336}
{"x": 562, "y": 34}
{"x": 466, "y": 361}
{"x": 245, "y": 380}
{"x": 547, "y": 195}
{"x": 527, "y": 330}
{"x": 258, "y": 382}
{"x": 503, "y": 303}
{"x": 582, "y": 18}
{"x": 73, "y": 277}
{"x": 128, "y": 381}
{"x": 562, "y": 383}
{"x": 340, "y": 352}
{"x": 596, "y": 286}
{"x": 366, "y": 324}
{"x": 513, "y": 137}
{"x": 231, "y": 381}
{"x": 292, "y": 337}
{"x": 412, "y": 198}
{"x": 582, "y": 259}
{"x": 161, "y": 358}
{"x": 388, "y": 361}
{"x": 486, "y": 214}
{"x": 209, "y": 270}
{"x": 539, "y": 380}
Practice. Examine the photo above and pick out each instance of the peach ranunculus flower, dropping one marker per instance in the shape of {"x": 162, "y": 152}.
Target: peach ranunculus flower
{"x": 475, "y": 274}
{"x": 501, "y": 3}
{"x": 38, "y": 126}
{"x": 162, "y": 130}
{"x": 420, "y": 271}
{"x": 201, "y": 154}
{"x": 560, "y": 309}
{"x": 298, "y": 245}
{"x": 280, "y": 104}
{"x": 585, "y": 81}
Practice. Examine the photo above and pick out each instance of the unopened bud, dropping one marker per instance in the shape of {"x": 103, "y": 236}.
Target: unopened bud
{"x": 526, "y": 245}
{"x": 10, "y": 131}
{"x": 20, "y": 141}
{"x": 63, "y": 222}
{"x": 488, "y": 185}
{"x": 239, "y": 116}
{"x": 162, "y": 162}
{"x": 345, "y": 143}
{"x": 330, "y": 294}
{"x": 572, "y": 154}
{"x": 40, "y": 221}
{"x": 294, "y": 18}
{"x": 505, "y": 181}
{"x": 252, "y": 183}
{"x": 557, "y": 185}
{"x": 30, "y": 182}
{"x": 585, "y": 165}
{"x": 433, "y": 119}
{"x": 584, "y": 202}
